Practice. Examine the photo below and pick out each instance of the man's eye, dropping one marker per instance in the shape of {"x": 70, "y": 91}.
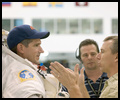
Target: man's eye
{"x": 85, "y": 55}
{"x": 93, "y": 54}
{"x": 36, "y": 45}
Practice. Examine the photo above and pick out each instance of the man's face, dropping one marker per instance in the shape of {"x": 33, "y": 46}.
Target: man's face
{"x": 88, "y": 56}
{"x": 105, "y": 57}
{"x": 33, "y": 51}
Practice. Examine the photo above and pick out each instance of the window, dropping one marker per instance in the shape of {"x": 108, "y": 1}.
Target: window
{"x": 114, "y": 26}
{"x": 18, "y": 22}
{"x": 6, "y": 24}
{"x": 37, "y": 24}
{"x": 69, "y": 26}
{"x": 73, "y": 23}
{"x": 98, "y": 26}
{"x": 49, "y": 25}
{"x": 61, "y": 26}
{"x": 85, "y": 26}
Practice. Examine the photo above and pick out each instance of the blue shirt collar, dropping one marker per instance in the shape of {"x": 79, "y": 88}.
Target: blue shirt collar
{"x": 104, "y": 75}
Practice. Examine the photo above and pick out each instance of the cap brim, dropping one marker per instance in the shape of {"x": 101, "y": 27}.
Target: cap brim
{"x": 45, "y": 35}
{"x": 41, "y": 35}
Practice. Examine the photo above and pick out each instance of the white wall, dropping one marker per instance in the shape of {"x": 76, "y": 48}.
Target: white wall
{"x": 65, "y": 43}
{"x": 94, "y": 9}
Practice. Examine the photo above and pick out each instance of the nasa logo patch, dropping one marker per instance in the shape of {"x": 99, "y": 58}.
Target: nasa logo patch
{"x": 25, "y": 75}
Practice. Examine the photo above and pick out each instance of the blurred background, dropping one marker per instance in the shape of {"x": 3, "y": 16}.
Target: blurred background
{"x": 68, "y": 22}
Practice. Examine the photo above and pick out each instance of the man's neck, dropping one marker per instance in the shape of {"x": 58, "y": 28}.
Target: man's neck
{"x": 93, "y": 74}
{"x": 112, "y": 71}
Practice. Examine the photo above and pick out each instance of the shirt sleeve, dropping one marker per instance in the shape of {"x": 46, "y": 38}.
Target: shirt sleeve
{"x": 110, "y": 91}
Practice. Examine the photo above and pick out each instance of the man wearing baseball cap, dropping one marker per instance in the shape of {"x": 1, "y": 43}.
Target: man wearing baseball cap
{"x": 20, "y": 78}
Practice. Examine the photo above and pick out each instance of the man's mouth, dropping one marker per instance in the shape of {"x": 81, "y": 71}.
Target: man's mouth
{"x": 90, "y": 62}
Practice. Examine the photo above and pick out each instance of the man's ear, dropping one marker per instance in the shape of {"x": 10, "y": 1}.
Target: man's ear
{"x": 20, "y": 48}
{"x": 116, "y": 57}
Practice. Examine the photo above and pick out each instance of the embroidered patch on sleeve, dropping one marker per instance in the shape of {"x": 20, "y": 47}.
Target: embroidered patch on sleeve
{"x": 25, "y": 75}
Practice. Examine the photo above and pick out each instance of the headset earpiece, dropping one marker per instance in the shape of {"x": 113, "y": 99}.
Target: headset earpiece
{"x": 77, "y": 54}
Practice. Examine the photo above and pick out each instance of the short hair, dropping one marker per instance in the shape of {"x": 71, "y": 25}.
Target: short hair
{"x": 87, "y": 42}
{"x": 24, "y": 42}
{"x": 114, "y": 46}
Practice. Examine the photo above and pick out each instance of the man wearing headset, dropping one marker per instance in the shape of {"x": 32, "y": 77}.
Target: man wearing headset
{"x": 94, "y": 77}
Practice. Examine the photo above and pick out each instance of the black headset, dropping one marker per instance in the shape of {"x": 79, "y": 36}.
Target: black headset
{"x": 77, "y": 54}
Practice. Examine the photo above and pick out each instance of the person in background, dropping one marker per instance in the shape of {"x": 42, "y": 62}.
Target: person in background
{"x": 108, "y": 62}
{"x": 21, "y": 77}
{"x": 94, "y": 77}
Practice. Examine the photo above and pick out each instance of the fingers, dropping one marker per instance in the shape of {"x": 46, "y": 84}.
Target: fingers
{"x": 81, "y": 77}
{"x": 69, "y": 70}
{"x": 56, "y": 66}
{"x": 76, "y": 69}
{"x": 55, "y": 74}
{"x": 54, "y": 71}
{"x": 82, "y": 71}
{"x": 57, "y": 69}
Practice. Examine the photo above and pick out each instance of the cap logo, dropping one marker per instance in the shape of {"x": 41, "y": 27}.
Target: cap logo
{"x": 32, "y": 28}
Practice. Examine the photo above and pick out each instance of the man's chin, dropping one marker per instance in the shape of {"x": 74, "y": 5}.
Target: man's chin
{"x": 37, "y": 62}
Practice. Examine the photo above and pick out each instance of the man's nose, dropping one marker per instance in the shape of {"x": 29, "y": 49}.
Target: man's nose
{"x": 98, "y": 56}
{"x": 89, "y": 56}
{"x": 41, "y": 50}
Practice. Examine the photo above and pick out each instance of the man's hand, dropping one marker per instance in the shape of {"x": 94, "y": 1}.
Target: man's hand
{"x": 70, "y": 79}
{"x": 66, "y": 76}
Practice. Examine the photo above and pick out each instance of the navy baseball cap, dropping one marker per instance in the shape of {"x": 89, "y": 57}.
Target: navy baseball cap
{"x": 20, "y": 33}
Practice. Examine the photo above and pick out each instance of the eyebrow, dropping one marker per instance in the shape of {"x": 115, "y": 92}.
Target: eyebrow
{"x": 38, "y": 43}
